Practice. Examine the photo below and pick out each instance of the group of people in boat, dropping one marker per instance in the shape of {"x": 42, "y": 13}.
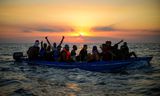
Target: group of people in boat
{"x": 54, "y": 52}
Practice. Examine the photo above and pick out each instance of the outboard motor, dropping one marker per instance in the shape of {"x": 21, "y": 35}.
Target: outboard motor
{"x": 17, "y": 56}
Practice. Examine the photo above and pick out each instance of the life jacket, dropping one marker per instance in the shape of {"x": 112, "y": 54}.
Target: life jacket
{"x": 68, "y": 54}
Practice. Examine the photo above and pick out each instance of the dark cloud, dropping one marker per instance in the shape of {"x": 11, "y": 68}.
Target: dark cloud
{"x": 103, "y": 28}
{"x": 155, "y": 31}
{"x": 113, "y": 29}
{"x": 47, "y": 29}
{"x": 56, "y": 29}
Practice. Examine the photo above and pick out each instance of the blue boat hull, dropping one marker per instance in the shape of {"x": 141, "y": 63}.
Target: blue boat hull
{"x": 100, "y": 66}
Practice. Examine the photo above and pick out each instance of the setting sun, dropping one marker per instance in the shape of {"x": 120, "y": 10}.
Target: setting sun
{"x": 83, "y": 34}
{"x": 80, "y": 47}
{"x": 95, "y": 21}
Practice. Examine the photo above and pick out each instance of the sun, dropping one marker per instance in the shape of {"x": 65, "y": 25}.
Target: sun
{"x": 81, "y": 33}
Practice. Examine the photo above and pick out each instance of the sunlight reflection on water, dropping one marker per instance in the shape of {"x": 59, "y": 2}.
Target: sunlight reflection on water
{"x": 20, "y": 79}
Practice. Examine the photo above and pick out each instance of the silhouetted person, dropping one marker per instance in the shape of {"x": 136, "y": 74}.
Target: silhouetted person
{"x": 65, "y": 55}
{"x": 95, "y": 54}
{"x": 108, "y": 51}
{"x": 55, "y": 49}
{"x": 54, "y": 46}
{"x": 103, "y": 56}
{"x": 43, "y": 50}
{"x": 49, "y": 44}
{"x": 73, "y": 52}
{"x": 83, "y": 53}
{"x": 125, "y": 54}
{"x": 49, "y": 53}
{"x": 116, "y": 51}
{"x": 33, "y": 51}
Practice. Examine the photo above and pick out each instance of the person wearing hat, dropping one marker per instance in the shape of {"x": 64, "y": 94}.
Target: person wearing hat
{"x": 33, "y": 51}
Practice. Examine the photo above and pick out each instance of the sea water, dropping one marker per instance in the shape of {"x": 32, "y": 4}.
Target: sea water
{"x": 21, "y": 79}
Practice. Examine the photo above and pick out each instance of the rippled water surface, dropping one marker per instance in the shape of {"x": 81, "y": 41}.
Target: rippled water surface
{"x": 20, "y": 79}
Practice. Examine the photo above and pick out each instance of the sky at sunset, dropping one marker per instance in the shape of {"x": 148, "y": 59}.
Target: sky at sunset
{"x": 80, "y": 21}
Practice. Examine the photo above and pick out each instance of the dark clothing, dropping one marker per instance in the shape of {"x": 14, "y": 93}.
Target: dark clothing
{"x": 83, "y": 55}
{"x": 33, "y": 52}
{"x": 124, "y": 52}
{"x": 116, "y": 53}
{"x": 73, "y": 53}
{"x": 46, "y": 55}
{"x": 95, "y": 55}
{"x": 56, "y": 54}
{"x": 49, "y": 56}
{"x": 63, "y": 56}
{"x": 42, "y": 53}
{"x": 106, "y": 53}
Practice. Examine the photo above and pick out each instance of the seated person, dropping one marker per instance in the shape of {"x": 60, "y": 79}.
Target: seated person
{"x": 95, "y": 56}
{"x": 83, "y": 53}
{"x": 116, "y": 51}
{"x": 73, "y": 53}
{"x": 106, "y": 51}
{"x": 125, "y": 54}
{"x": 33, "y": 51}
{"x": 65, "y": 55}
{"x": 43, "y": 50}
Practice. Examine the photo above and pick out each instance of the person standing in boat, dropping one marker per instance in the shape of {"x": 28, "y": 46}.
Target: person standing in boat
{"x": 125, "y": 54}
{"x": 49, "y": 52}
{"x": 65, "y": 55}
{"x": 55, "y": 49}
{"x": 73, "y": 53}
{"x": 33, "y": 51}
{"x": 83, "y": 53}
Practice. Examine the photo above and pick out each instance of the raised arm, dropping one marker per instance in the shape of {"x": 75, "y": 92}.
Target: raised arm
{"x": 48, "y": 41}
{"x": 61, "y": 41}
{"x": 119, "y": 42}
{"x": 41, "y": 44}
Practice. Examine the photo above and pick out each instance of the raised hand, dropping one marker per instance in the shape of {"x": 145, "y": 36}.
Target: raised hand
{"x": 121, "y": 41}
{"x": 46, "y": 37}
